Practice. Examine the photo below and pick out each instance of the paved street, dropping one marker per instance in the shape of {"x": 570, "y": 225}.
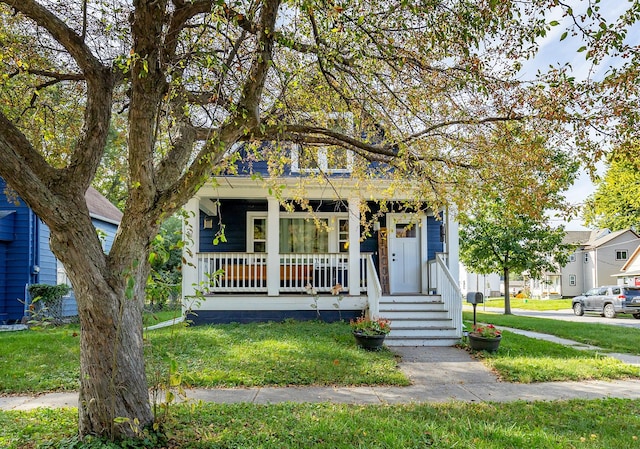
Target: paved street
{"x": 564, "y": 315}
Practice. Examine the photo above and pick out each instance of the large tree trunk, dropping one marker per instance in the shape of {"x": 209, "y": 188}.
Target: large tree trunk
{"x": 114, "y": 398}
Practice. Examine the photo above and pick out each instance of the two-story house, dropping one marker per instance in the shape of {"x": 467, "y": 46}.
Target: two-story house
{"x": 598, "y": 258}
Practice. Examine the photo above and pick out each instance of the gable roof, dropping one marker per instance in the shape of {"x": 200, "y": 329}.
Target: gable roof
{"x": 577, "y": 237}
{"x": 609, "y": 237}
{"x": 631, "y": 259}
{"x": 101, "y": 208}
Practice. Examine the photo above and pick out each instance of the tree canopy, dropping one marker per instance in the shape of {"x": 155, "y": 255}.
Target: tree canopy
{"x": 497, "y": 239}
{"x": 430, "y": 85}
{"x": 615, "y": 205}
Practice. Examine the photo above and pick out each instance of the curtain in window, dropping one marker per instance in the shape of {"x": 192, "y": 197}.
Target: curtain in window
{"x": 298, "y": 235}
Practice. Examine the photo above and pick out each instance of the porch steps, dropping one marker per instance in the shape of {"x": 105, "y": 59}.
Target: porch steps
{"x": 417, "y": 320}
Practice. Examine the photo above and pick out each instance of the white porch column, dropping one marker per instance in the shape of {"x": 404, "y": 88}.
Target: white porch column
{"x": 191, "y": 236}
{"x": 453, "y": 242}
{"x": 354, "y": 246}
{"x": 273, "y": 247}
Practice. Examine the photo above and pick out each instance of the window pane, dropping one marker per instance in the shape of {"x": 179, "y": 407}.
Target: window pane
{"x": 405, "y": 231}
{"x": 337, "y": 158}
{"x": 343, "y": 235}
{"x": 259, "y": 247}
{"x": 259, "y": 229}
{"x": 298, "y": 235}
{"x": 307, "y": 158}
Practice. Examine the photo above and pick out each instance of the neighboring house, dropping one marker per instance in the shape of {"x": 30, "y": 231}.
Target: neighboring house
{"x": 630, "y": 271}
{"x": 25, "y": 256}
{"x": 275, "y": 263}
{"x": 598, "y": 258}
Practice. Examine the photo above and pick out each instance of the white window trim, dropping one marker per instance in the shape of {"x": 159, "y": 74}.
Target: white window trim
{"x": 572, "y": 258}
{"x": 573, "y": 280}
{"x": 250, "y": 217}
{"x": 626, "y": 254}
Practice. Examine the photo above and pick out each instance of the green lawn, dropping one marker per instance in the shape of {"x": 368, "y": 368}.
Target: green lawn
{"x": 594, "y": 424}
{"x": 290, "y": 353}
{"x": 609, "y": 337}
{"x": 325, "y": 354}
{"x": 528, "y": 304}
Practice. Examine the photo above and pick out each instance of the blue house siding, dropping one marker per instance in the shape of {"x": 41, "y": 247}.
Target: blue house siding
{"x": 45, "y": 259}
{"x": 19, "y": 255}
{"x": 233, "y": 216}
{"x": 26, "y": 258}
{"x": 109, "y": 229}
{"x": 434, "y": 238}
{"x": 3, "y": 287}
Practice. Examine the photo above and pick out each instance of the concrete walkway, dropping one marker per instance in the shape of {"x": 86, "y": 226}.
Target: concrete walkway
{"x": 437, "y": 375}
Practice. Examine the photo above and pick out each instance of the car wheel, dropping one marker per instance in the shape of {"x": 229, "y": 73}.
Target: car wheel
{"x": 578, "y": 309}
{"x": 636, "y": 316}
{"x": 609, "y": 311}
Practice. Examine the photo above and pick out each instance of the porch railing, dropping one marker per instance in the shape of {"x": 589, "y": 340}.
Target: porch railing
{"x": 374, "y": 289}
{"x": 247, "y": 272}
{"x": 448, "y": 289}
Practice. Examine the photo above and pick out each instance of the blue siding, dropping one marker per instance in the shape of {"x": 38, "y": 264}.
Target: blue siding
{"x": 19, "y": 256}
{"x": 24, "y": 244}
{"x": 3, "y": 266}
{"x": 45, "y": 259}
{"x": 7, "y": 225}
{"x": 233, "y": 215}
{"x": 434, "y": 241}
{"x": 109, "y": 229}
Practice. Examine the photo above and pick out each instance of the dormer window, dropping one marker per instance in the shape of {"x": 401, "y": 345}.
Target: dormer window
{"x": 326, "y": 158}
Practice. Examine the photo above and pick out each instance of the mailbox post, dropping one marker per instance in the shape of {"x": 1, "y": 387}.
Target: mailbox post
{"x": 475, "y": 298}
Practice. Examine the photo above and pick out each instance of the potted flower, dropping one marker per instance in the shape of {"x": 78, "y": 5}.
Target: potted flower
{"x": 370, "y": 332}
{"x": 485, "y": 338}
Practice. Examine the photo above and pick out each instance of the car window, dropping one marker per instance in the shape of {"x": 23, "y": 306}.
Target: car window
{"x": 615, "y": 291}
{"x": 591, "y": 292}
{"x": 602, "y": 290}
{"x": 632, "y": 291}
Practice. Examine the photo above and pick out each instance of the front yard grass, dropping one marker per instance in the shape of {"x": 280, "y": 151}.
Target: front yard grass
{"x": 293, "y": 353}
{"x": 306, "y": 353}
{"x": 526, "y": 360}
{"x": 585, "y": 424}
{"x": 609, "y": 337}
{"x": 528, "y": 304}
{"x": 257, "y": 354}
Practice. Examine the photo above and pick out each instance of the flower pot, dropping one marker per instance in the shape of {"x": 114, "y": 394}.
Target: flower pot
{"x": 369, "y": 342}
{"x": 478, "y": 343}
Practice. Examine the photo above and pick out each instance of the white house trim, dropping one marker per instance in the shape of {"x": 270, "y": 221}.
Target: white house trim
{"x": 273, "y": 247}
{"x": 354, "y": 246}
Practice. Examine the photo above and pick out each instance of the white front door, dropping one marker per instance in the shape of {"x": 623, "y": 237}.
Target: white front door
{"x": 404, "y": 254}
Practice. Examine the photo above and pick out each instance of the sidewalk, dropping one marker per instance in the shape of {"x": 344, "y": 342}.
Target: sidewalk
{"x": 439, "y": 374}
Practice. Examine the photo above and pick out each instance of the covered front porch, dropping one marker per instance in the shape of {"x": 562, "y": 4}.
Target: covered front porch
{"x": 252, "y": 259}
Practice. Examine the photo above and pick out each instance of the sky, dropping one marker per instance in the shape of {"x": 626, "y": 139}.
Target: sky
{"x": 553, "y": 51}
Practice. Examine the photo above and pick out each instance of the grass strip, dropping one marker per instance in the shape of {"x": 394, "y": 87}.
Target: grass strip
{"x": 609, "y": 337}
{"x": 585, "y": 424}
